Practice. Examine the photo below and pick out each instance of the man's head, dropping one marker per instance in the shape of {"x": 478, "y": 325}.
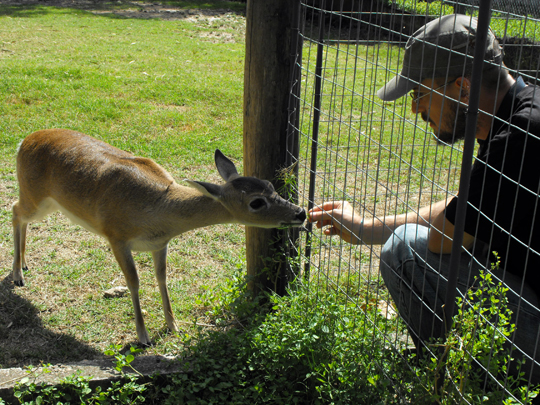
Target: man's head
{"x": 441, "y": 49}
{"x": 445, "y": 115}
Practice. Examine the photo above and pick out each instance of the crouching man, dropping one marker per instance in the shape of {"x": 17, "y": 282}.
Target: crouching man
{"x": 503, "y": 207}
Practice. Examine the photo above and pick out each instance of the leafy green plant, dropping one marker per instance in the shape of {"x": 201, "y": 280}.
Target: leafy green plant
{"x": 321, "y": 347}
{"x": 317, "y": 346}
{"x": 307, "y": 349}
{"x": 72, "y": 389}
{"x": 122, "y": 360}
{"x": 474, "y": 359}
{"x": 230, "y": 303}
{"x": 434, "y": 8}
{"x": 288, "y": 180}
{"x": 75, "y": 389}
{"x": 127, "y": 390}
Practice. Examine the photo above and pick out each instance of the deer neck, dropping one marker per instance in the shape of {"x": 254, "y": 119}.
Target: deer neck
{"x": 191, "y": 209}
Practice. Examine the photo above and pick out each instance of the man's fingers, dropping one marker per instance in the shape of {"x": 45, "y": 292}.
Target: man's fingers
{"x": 331, "y": 231}
{"x": 326, "y": 217}
{"x": 321, "y": 224}
{"x": 327, "y": 206}
{"x": 330, "y": 205}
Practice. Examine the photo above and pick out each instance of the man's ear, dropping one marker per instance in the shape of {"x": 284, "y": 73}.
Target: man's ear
{"x": 463, "y": 85}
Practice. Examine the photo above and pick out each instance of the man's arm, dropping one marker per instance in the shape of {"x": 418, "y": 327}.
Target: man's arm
{"x": 441, "y": 234}
{"x": 339, "y": 218}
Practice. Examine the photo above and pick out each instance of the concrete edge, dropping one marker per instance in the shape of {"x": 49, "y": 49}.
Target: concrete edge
{"x": 102, "y": 372}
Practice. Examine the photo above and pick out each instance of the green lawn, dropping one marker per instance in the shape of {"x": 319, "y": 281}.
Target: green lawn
{"x": 170, "y": 90}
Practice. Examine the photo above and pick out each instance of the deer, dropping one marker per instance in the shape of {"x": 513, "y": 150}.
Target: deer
{"x": 133, "y": 203}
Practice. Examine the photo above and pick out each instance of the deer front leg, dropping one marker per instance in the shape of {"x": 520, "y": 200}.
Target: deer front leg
{"x": 160, "y": 266}
{"x": 127, "y": 264}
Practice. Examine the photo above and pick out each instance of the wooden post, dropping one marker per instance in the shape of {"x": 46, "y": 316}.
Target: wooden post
{"x": 269, "y": 33}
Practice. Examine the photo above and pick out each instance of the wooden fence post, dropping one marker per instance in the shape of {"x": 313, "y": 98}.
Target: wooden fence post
{"x": 269, "y": 31}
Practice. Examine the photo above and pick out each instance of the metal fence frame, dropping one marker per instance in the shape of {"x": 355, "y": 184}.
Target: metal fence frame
{"x": 323, "y": 26}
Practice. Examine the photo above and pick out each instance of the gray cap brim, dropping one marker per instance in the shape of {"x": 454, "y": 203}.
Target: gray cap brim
{"x": 396, "y": 88}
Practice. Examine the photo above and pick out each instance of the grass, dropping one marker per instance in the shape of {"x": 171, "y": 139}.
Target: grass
{"x": 313, "y": 349}
{"x": 168, "y": 90}
{"x": 503, "y": 24}
{"x": 119, "y": 78}
{"x": 172, "y": 91}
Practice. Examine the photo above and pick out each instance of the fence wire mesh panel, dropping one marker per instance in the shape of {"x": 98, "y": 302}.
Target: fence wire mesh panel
{"x": 384, "y": 170}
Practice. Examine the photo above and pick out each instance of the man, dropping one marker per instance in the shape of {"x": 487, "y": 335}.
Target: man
{"x": 503, "y": 210}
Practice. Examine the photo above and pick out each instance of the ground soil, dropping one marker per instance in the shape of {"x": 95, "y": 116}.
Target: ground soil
{"x": 124, "y": 8}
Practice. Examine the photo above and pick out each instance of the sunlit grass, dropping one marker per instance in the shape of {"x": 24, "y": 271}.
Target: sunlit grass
{"x": 168, "y": 90}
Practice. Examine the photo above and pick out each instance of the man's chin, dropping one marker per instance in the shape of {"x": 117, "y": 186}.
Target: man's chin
{"x": 440, "y": 136}
{"x": 445, "y": 138}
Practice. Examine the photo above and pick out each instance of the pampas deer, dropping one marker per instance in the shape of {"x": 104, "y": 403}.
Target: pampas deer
{"x": 132, "y": 202}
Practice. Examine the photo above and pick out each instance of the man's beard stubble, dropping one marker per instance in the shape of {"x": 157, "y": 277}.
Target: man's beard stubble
{"x": 456, "y": 119}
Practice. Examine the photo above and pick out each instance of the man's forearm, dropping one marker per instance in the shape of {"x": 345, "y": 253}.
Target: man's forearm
{"x": 376, "y": 231}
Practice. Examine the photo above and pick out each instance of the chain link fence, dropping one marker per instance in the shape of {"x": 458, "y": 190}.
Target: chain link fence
{"x": 387, "y": 160}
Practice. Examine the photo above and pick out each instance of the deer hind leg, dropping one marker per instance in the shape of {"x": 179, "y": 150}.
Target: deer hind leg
{"x": 125, "y": 260}
{"x": 19, "y": 247}
{"x": 160, "y": 266}
{"x": 23, "y": 213}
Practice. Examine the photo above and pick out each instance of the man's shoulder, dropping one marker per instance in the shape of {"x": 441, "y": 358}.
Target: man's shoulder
{"x": 529, "y": 97}
{"x": 527, "y": 110}
{"x": 525, "y": 115}
{"x": 519, "y": 132}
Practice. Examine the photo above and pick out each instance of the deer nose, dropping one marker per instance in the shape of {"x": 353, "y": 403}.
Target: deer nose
{"x": 301, "y": 216}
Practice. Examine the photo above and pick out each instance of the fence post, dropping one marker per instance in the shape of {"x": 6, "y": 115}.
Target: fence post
{"x": 267, "y": 78}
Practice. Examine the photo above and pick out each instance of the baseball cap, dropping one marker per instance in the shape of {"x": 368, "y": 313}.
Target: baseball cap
{"x": 441, "y": 48}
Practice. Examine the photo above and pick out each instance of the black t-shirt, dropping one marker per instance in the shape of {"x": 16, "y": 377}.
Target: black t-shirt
{"x": 503, "y": 207}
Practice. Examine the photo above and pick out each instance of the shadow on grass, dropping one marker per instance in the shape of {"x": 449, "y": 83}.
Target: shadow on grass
{"x": 24, "y": 340}
{"x": 124, "y": 9}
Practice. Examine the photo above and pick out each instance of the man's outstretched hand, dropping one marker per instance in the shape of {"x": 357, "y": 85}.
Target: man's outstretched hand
{"x": 338, "y": 218}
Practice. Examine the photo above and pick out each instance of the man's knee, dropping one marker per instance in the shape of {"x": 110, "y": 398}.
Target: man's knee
{"x": 394, "y": 242}
{"x": 401, "y": 247}
{"x": 391, "y": 254}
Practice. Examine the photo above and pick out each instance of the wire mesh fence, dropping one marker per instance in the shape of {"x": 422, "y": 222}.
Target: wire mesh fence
{"x": 400, "y": 162}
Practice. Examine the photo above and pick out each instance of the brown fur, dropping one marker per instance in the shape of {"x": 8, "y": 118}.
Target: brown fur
{"x": 132, "y": 202}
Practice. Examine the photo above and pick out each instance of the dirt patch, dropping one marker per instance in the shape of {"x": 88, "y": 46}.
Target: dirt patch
{"x": 129, "y": 9}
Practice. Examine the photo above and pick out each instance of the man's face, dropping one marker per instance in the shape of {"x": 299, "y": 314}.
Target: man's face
{"x": 435, "y": 101}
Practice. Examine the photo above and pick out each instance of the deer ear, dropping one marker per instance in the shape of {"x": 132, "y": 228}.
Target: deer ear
{"x": 226, "y": 168}
{"x": 208, "y": 189}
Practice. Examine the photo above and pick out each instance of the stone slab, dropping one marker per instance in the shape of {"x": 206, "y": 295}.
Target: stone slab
{"x": 101, "y": 371}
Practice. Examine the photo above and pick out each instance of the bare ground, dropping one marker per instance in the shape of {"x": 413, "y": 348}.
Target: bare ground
{"x": 127, "y": 9}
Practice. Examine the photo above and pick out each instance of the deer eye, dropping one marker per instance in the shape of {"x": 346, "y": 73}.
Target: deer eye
{"x": 257, "y": 203}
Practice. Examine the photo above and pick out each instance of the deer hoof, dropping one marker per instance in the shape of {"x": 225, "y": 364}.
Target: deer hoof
{"x": 146, "y": 345}
{"x": 19, "y": 283}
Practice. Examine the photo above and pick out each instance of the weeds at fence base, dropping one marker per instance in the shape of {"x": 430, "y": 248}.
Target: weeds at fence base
{"x": 475, "y": 362}
{"x": 316, "y": 347}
